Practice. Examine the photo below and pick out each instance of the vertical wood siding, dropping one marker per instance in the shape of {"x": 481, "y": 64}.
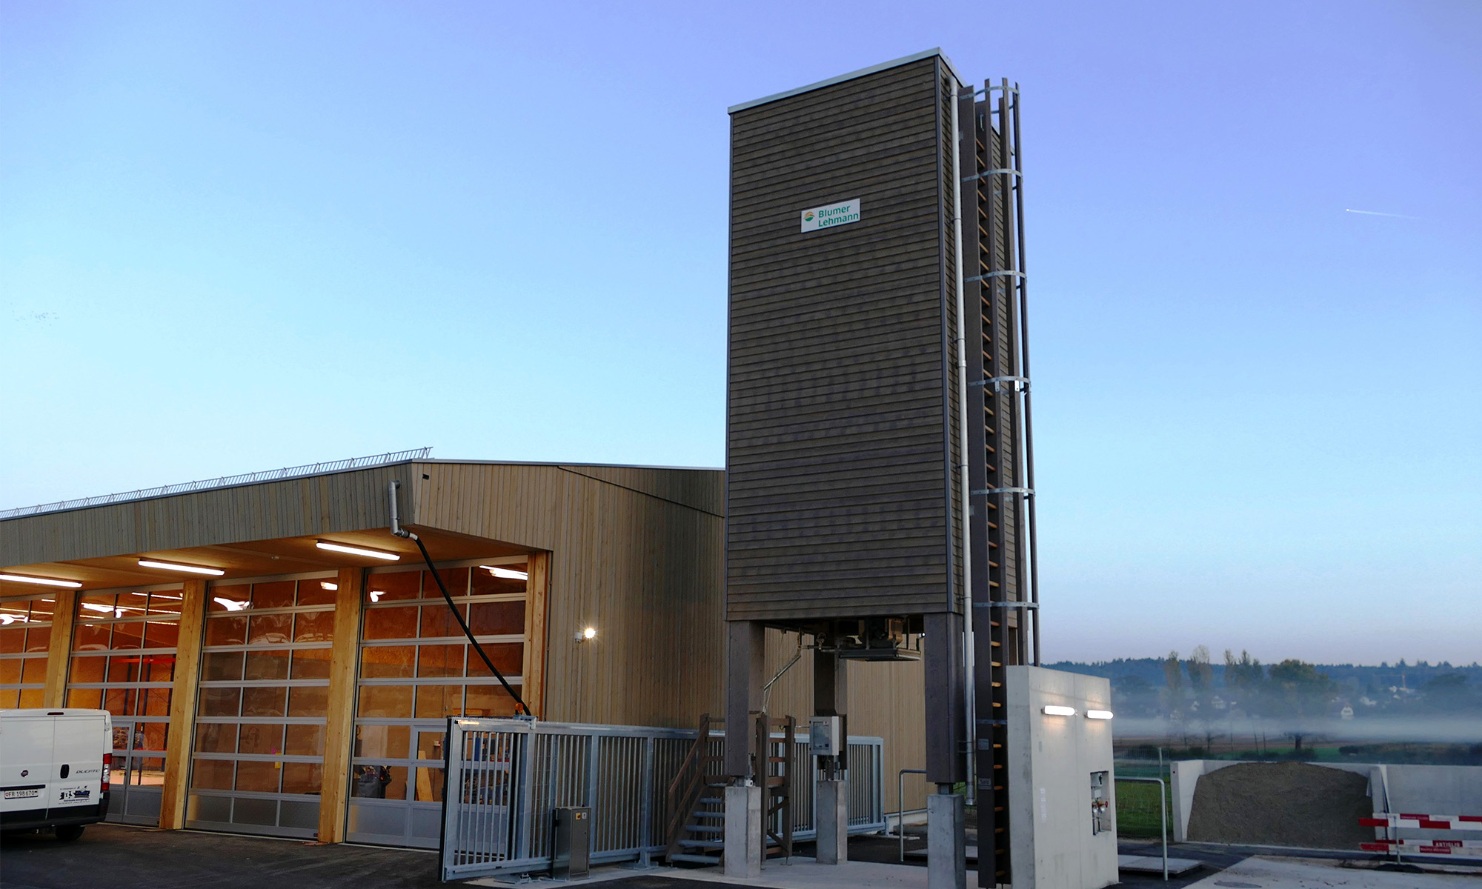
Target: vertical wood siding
{"x": 642, "y": 569}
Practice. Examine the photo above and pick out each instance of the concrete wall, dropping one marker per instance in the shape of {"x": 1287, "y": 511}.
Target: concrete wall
{"x": 1423, "y": 790}
{"x": 1051, "y": 759}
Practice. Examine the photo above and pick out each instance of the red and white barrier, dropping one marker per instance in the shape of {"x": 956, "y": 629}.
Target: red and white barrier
{"x": 1423, "y": 822}
{"x": 1428, "y": 846}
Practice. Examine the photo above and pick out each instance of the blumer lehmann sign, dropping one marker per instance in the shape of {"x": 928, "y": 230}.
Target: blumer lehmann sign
{"x": 831, "y": 215}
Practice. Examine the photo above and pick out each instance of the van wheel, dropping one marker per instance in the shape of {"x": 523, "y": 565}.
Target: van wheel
{"x": 69, "y": 832}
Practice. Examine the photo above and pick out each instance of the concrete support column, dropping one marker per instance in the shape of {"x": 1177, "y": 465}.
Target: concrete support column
{"x": 745, "y": 643}
{"x": 743, "y": 858}
{"x": 831, "y": 808}
{"x": 339, "y": 722}
{"x": 831, "y": 695}
{"x": 831, "y": 799}
{"x": 59, "y": 649}
{"x": 183, "y": 704}
{"x": 946, "y": 738}
{"x": 946, "y": 850}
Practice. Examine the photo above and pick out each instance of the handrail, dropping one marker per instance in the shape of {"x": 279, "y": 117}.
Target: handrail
{"x": 684, "y": 791}
{"x": 900, "y": 800}
{"x": 1162, "y": 814}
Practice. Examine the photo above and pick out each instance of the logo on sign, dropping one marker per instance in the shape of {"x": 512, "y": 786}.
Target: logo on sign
{"x": 830, "y": 216}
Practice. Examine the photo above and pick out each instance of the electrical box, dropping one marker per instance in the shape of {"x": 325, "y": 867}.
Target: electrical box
{"x": 1101, "y": 819}
{"x": 825, "y": 736}
{"x": 572, "y": 843}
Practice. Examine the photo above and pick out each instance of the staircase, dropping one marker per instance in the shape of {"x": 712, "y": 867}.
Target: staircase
{"x": 696, "y": 798}
{"x": 774, "y": 774}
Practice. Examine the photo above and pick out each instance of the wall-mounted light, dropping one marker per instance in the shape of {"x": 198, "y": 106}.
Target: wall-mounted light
{"x": 506, "y": 573}
{"x": 586, "y": 635}
{"x": 1057, "y": 710}
{"x": 42, "y": 581}
{"x": 358, "y": 550}
{"x": 331, "y": 586}
{"x": 1098, "y": 714}
{"x": 176, "y": 566}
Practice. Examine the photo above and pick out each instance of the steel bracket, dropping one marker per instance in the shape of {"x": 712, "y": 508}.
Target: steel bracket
{"x": 1026, "y": 492}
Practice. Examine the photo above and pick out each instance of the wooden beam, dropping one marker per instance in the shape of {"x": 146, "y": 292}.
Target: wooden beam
{"x": 339, "y": 718}
{"x": 59, "y": 649}
{"x": 183, "y": 704}
{"x": 537, "y": 632}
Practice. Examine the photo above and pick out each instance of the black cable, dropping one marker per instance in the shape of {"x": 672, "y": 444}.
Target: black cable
{"x": 452, "y": 606}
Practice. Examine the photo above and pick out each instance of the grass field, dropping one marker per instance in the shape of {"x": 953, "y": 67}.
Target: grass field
{"x": 1137, "y": 807}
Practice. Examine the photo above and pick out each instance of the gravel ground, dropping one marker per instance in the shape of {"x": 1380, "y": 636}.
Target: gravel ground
{"x": 1281, "y": 804}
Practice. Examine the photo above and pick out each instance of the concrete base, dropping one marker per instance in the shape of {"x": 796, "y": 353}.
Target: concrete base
{"x": 743, "y": 858}
{"x": 831, "y": 808}
{"x": 946, "y": 852}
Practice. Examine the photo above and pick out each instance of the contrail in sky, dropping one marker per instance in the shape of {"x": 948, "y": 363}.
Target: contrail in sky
{"x": 1377, "y": 213}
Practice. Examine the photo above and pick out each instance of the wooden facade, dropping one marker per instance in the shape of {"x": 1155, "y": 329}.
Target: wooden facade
{"x": 635, "y": 553}
{"x": 843, "y": 484}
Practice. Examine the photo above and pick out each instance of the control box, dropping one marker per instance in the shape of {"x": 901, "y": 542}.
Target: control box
{"x": 1101, "y": 819}
{"x": 825, "y": 736}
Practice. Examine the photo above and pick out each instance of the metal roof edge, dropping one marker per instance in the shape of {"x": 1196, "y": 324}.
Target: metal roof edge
{"x": 575, "y": 464}
{"x": 862, "y": 72}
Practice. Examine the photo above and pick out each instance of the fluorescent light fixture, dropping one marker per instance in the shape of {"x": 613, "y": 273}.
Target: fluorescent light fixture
{"x": 43, "y": 581}
{"x": 506, "y": 573}
{"x": 358, "y": 550}
{"x": 176, "y": 566}
{"x": 1057, "y": 710}
{"x": 1098, "y": 714}
{"x": 586, "y": 635}
{"x": 328, "y": 585}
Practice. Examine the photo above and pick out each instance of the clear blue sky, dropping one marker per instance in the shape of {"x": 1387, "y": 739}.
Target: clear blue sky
{"x": 237, "y": 236}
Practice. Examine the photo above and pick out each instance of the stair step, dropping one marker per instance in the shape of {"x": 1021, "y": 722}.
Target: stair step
{"x": 692, "y": 827}
{"x": 694, "y": 859}
{"x": 701, "y": 844}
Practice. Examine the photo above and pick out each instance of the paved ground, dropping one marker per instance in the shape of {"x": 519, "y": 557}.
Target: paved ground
{"x": 115, "y": 857}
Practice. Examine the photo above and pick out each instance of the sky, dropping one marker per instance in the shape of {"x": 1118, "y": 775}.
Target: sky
{"x": 237, "y": 236}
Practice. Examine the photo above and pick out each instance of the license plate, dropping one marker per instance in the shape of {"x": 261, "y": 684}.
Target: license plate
{"x": 22, "y": 794}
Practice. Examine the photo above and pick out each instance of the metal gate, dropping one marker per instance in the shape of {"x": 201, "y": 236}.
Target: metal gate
{"x": 504, "y": 778}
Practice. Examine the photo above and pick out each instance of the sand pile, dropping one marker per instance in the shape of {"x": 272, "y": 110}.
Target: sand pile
{"x": 1281, "y": 804}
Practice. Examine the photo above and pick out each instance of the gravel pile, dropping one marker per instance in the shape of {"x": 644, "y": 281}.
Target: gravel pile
{"x": 1281, "y": 804}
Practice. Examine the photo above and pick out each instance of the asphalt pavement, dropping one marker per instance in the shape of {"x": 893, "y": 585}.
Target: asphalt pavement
{"x": 111, "y": 856}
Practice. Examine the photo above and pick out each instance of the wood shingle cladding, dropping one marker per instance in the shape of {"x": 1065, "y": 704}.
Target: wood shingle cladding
{"x": 842, "y": 486}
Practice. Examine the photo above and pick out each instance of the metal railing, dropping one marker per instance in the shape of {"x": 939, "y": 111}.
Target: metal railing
{"x": 1162, "y": 811}
{"x": 505, "y": 778}
{"x": 228, "y": 481}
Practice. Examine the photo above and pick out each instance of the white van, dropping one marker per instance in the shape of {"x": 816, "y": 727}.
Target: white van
{"x": 54, "y": 767}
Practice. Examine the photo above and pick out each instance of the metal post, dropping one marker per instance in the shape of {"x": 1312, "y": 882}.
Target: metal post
{"x": 1162, "y": 811}
{"x": 900, "y": 801}
{"x": 645, "y": 804}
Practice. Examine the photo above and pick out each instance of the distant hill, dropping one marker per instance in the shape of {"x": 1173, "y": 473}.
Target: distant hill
{"x": 1396, "y": 690}
{"x": 1367, "y": 678}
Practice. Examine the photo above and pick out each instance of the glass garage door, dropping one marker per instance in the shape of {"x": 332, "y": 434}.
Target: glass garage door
{"x": 416, "y": 669}
{"x": 123, "y": 661}
{"x": 258, "y": 760}
{"x": 25, "y": 633}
